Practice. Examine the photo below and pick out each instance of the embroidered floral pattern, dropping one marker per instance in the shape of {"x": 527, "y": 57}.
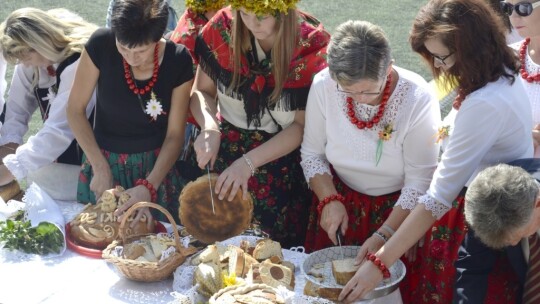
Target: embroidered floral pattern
{"x": 279, "y": 191}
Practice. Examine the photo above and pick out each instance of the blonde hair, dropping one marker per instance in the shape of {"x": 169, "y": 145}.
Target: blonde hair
{"x": 281, "y": 53}
{"x": 55, "y": 34}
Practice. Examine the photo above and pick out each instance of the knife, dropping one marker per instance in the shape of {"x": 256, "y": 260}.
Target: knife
{"x": 339, "y": 237}
{"x": 210, "y": 185}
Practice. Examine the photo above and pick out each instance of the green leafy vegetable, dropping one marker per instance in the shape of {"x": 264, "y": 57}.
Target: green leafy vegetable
{"x": 18, "y": 234}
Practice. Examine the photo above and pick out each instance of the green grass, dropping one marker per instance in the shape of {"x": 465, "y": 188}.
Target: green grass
{"x": 394, "y": 16}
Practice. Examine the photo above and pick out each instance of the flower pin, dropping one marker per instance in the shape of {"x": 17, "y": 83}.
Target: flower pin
{"x": 154, "y": 107}
{"x": 442, "y": 133}
{"x": 384, "y": 135}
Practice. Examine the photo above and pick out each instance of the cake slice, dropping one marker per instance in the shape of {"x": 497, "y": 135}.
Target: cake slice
{"x": 344, "y": 270}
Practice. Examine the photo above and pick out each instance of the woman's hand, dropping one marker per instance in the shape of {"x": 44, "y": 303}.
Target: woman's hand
{"x": 333, "y": 216}
{"x": 207, "y": 147}
{"x": 367, "y": 277}
{"x": 101, "y": 181}
{"x": 371, "y": 245}
{"x": 5, "y": 176}
{"x": 235, "y": 176}
{"x": 136, "y": 194}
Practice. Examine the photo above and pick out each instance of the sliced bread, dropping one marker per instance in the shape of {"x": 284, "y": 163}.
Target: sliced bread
{"x": 344, "y": 270}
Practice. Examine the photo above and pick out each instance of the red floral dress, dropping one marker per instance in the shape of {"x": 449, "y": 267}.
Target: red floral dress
{"x": 366, "y": 215}
{"x": 435, "y": 276}
{"x": 186, "y": 31}
{"x": 279, "y": 189}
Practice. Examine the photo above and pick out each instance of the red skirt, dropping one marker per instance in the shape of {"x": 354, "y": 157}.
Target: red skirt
{"x": 435, "y": 275}
{"x": 366, "y": 214}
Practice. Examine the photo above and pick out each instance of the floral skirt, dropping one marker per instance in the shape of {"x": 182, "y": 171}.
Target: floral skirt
{"x": 279, "y": 190}
{"x": 436, "y": 274}
{"x": 366, "y": 215}
{"x": 126, "y": 169}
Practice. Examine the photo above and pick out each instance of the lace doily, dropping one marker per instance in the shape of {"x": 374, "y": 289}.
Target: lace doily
{"x": 408, "y": 198}
{"x": 186, "y": 293}
{"x": 430, "y": 204}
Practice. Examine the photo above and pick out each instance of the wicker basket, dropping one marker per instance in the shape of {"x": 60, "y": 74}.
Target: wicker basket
{"x": 146, "y": 271}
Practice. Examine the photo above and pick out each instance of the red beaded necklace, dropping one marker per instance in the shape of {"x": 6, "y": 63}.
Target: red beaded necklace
{"x": 523, "y": 70}
{"x": 360, "y": 124}
{"x": 129, "y": 78}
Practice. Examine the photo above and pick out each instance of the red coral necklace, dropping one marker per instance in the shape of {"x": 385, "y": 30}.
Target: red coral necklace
{"x": 523, "y": 70}
{"x": 360, "y": 124}
{"x": 129, "y": 78}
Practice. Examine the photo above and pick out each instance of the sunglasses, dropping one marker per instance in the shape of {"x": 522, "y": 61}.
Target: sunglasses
{"x": 523, "y": 9}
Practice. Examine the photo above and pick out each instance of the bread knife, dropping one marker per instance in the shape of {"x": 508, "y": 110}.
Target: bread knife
{"x": 210, "y": 185}
{"x": 339, "y": 237}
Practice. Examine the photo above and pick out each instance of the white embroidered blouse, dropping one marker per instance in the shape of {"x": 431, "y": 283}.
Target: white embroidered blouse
{"x": 408, "y": 158}
{"x": 54, "y": 137}
{"x": 533, "y": 89}
{"x": 491, "y": 127}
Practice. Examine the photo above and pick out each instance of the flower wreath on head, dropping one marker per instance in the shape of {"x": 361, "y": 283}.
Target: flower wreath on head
{"x": 264, "y": 7}
{"x": 201, "y": 6}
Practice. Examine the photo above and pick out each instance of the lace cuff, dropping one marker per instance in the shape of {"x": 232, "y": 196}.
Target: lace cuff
{"x": 408, "y": 198}
{"x": 437, "y": 209}
{"x": 313, "y": 165}
{"x": 14, "y": 166}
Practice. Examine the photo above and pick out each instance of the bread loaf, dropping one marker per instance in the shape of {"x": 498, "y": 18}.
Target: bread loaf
{"x": 276, "y": 275}
{"x": 97, "y": 226}
{"x": 267, "y": 248}
{"x": 344, "y": 270}
{"x": 314, "y": 290}
{"x": 208, "y": 276}
{"x": 247, "y": 293}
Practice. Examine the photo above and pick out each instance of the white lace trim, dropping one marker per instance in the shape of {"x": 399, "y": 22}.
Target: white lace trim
{"x": 430, "y": 204}
{"x": 533, "y": 89}
{"x": 313, "y": 165}
{"x": 364, "y": 144}
{"x": 409, "y": 198}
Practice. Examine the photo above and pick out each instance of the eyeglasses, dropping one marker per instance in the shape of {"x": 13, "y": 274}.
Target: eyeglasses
{"x": 441, "y": 59}
{"x": 523, "y": 9}
{"x": 367, "y": 94}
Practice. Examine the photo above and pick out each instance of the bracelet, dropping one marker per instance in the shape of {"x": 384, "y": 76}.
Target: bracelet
{"x": 250, "y": 164}
{"x": 150, "y": 187}
{"x": 328, "y": 199}
{"x": 385, "y": 272}
{"x": 211, "y": 130}
{"x": 381, "y": 236}
{"x": 388, "y": 229}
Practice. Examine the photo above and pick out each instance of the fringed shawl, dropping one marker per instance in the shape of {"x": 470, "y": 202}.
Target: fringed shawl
{"x": 214, "y": 49}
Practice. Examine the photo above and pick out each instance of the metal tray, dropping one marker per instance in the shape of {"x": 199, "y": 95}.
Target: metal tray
{"x": 326, "y": 256}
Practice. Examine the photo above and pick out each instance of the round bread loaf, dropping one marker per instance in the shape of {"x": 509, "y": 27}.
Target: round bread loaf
{"x": 230, "y": 218}
{"x": 247, "y": 293}
{"x": 96, "y": 226}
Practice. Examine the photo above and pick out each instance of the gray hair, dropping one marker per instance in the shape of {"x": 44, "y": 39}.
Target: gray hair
{"x": 499, "y": 201}
{"x": 358, "y": 50}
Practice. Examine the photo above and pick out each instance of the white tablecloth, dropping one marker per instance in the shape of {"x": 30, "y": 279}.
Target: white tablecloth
{"x": 73, "y": 278}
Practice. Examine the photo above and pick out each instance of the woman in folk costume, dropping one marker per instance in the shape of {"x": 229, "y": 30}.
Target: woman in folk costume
{"x": 525, "y": 18}
{"x": 368, "y": 151}
{"x": 257, "y": 60}
{"x": 143, "y": 84}
{"x": 194, "y": 18}
{"x": 490, "y": 123}
{"x": 47, "y": 46}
